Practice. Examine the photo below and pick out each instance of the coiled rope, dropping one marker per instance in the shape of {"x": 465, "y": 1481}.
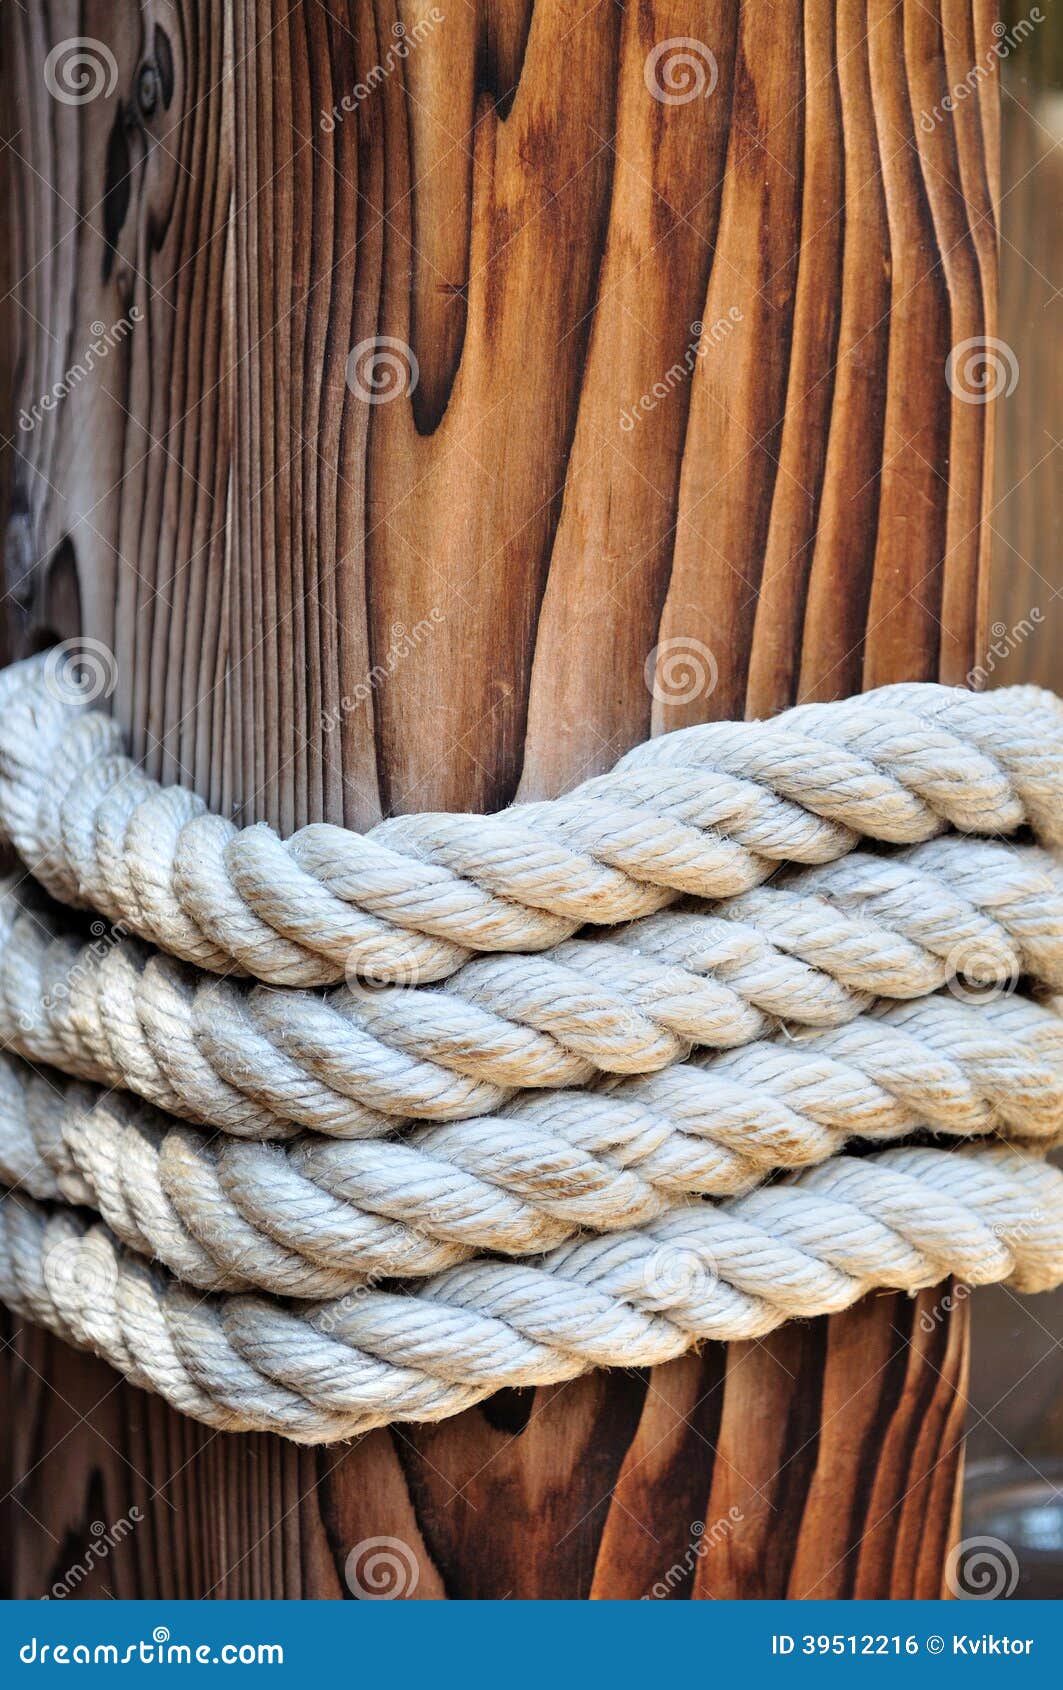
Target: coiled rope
{"x": 902, "y": 1218}
{"x": 551, "y": 1156}
{"x": 313, "y": 1217}
{"x": 709, "y": 811}
{"x": 814, "y": 950}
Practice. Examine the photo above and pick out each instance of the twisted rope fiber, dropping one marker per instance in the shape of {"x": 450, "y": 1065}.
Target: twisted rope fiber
{"x": 315, "y": 1217}
{"x": 498, "y": 1168}
{"x": 901, "y": 1219}
{"x": 261, "y": 1062}
{"x": 708, "y": 811}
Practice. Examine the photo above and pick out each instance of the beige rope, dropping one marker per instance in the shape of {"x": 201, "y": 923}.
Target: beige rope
{"x": 902, "y": 1218}
{"x": 816, "y": 949}
{"x": 315, "y": 1217}
{"x": 775, "y": 984}
{"x": 709, "y": 811}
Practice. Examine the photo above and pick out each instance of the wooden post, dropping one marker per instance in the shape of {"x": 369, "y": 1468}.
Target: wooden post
{"x": 679, "y": 317}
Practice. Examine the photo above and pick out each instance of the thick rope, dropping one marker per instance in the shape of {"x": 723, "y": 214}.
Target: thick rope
{"x": 314, "y": 1217}
{"x": 901, "y": 1219}
{"x": 709, "y": 811}
{"x": 815, "y": 949}
{"x": 780, "y": 986}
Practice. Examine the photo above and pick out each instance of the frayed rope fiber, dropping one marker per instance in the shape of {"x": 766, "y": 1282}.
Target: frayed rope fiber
{"x": 504, "y": 1151}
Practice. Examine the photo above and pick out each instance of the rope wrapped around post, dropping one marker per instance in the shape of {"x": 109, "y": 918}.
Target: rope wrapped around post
{"x": 709, "y": 811}
{"x": 504, "y": 1150}
{"x": 313, "y": 1216}
{"x": 902, "y": 1218}
{"x": 814, "y": 950}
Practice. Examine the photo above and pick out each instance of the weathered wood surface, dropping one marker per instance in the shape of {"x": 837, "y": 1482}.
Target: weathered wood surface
{"x": 483, "y": 566}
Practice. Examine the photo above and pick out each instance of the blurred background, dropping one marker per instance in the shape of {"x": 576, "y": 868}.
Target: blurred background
{"x": 1014, "y": 1487}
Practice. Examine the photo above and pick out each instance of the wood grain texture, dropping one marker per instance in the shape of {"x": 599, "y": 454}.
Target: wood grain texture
{"x": 765, "y": 282}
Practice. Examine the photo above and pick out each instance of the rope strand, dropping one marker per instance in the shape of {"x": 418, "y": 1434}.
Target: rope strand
{"x": 520, "y": 1171}
{"x": 708, "y": 811}
{"x": 314, "y": 1217}
{"x": 900, "y": 1219}
{"x": 815, "y": 949}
